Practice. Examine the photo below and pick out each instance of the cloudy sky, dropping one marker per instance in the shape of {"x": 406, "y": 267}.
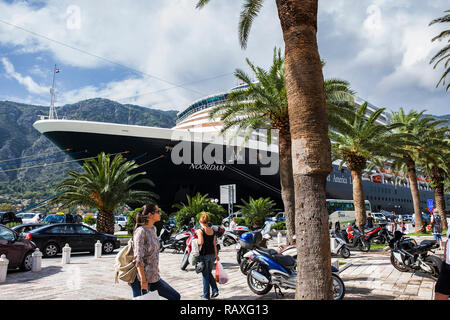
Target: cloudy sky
{"x": 164, "y": 54}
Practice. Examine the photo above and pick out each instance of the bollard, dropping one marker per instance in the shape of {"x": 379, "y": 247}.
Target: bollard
{"x": 98, "y": 249}
{"x": 279, "y": 237}
{"x": 3, "y": 268}
{"x": 66, "y": 254}
{"x": 37, "y": 260}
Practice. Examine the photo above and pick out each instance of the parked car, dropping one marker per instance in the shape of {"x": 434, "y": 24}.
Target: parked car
{"x": 226, "y": 221}
{"x": 50, "y": 239}
{"x": 62, "y": 218}
{"x": 16, "y": 249}
{"x": 31, "y": 217}
{"x": 27, "y": 227}
{"x": 9, "y": 216}
{"x": 405, "y": 217}
{"x": 121, "y": 221}
{"x": 379, "y": 217}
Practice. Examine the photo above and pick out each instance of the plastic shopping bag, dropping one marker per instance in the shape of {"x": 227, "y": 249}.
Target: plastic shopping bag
{"x": 221, "y": 276}
{"x": 150, "y": 295}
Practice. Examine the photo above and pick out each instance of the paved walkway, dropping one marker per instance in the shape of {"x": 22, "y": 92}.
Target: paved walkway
{"x": 367, "y": 276}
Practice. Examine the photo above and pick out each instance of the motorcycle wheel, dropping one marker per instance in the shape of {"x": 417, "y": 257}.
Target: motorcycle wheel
{"x": 240, "y": 255}
{"x": 398, "y": 265}
{"x": 436, "y": 264}
{"x": 257, "y": 287}
{"x": 245, "y": 265}
{"x": 344, "y": 252}
{"x": 185, "y": 261}
{"x": 338, "y": 287}
{"x": 364, "y": 245}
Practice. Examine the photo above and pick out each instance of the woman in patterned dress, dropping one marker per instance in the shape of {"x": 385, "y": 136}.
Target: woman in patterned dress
{"x": 146, "y": 254}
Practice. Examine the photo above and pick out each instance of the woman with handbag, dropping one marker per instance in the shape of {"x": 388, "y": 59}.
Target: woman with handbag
{"x": 146, "y": 255}
{"x": 208, "y": 254}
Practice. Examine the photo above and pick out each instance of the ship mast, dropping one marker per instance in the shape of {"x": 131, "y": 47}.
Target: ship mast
{"x": 52, "y": 112}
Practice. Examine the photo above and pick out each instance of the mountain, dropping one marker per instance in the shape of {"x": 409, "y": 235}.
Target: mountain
{"x": 23, "y": 150}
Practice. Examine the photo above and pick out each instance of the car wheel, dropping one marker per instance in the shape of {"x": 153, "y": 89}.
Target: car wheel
{"x": 27, "y": 262}
{"x": 51, "y": 250}
{"x": 108, "y": 247}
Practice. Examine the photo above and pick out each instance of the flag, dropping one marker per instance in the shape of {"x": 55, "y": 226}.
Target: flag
{"x": 56, "y": 70}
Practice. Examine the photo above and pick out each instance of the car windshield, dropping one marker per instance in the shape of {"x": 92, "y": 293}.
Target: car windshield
{"x": 54, "y": 218}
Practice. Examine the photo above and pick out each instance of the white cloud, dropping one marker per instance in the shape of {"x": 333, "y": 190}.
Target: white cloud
{"x": 26, "y": 81}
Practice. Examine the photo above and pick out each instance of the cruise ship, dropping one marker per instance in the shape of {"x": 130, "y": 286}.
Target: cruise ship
{"x": 193, "y": 157}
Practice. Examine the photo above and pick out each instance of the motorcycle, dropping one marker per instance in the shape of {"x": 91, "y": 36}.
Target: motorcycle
{"x": 231, "y": 237}
{"x": 407, "y": 255}
{"x": 261, "y": 242}
{"x": 187, "y": 257}
{"x": 176, "y": 242}
{"x": 270, "y": 269}
{"x": 354, "y": 238}
{"x": 379, "y": 234}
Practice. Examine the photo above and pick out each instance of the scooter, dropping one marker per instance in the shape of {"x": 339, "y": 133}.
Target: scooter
{"x": 176, "y": 242}
{"x": 261, "y": 242}
{"x": 379, "y": 234}
{"x": 407, "y": 255}
{"x": 231, "y": 237}
{"x": 353, "y": 238}
{"x": 270, "y": 269}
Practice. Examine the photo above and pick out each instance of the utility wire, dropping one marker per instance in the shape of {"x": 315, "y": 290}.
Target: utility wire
{"x": 99, "y": 57}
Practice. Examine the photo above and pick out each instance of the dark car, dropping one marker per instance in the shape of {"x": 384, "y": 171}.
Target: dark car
{"x": 27, "y": 227}
{"x": 16, "y": 249}
{"x": 9, "y": 216}
{"x": 51, "y": 238}
{"x": 62, "y": 218}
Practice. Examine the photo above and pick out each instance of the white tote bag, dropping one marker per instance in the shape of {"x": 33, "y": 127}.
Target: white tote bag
{"x": 150, "y": 295}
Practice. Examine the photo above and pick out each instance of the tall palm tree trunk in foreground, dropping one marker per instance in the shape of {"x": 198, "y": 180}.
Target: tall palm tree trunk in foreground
{"x": 287, "y": 185}
{"x": 105, "y": 222}
{"x": 311, "y": 160}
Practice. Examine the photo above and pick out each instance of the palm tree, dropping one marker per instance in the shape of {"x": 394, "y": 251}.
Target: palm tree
{"x": 358, "y": 140}
{"x": 311, "y": 147}
{"x": 263, "y": 104}
{"x": 105, "y": 184}
{"x": 436, "y": 162}
{"x": 422, "y": 129}
{"x": 444, "y": 53}
{"x": 255, "y": 211}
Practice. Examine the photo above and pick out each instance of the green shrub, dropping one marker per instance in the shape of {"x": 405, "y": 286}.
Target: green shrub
{"x": 278, "y": 226}
{"x": 240, "y": 221}
{"x": 90, "y": 220}
{"x": 255, "y": 211}
{"x": 12, "y": 224}
{"x": 194, "y": 206}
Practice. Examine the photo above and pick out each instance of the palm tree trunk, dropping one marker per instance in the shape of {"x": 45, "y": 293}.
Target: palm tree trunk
{"x": 358, "y": 199}
{"x": 440, "y": 204}
{"x": 419, "y": 224}
{"x": 311, "y": 160}
{"x": 105, "y": 222}
{"x": 287, "y": 186}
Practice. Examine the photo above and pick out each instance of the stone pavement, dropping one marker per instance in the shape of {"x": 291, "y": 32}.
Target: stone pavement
{"x": 367, "y": 276}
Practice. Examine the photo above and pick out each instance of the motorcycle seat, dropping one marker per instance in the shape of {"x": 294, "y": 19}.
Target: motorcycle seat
{"x": 270, "y": 252}
{"x": 427, "y": 243}
{"x": 285, "y": 261}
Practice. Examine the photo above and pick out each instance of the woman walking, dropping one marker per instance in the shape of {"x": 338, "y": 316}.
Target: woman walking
{"x": 146, "y": 255}
{"x": 207, "y": 254}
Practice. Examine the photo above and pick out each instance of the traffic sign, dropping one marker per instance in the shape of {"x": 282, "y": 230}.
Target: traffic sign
{"x": 430, "y": 203}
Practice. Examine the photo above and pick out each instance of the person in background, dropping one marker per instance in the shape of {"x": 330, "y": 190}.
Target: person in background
{"x": 146, "y": 255}
{"x": 436, "y": 226}
{"x": 442, "y": 286}
{"x": 393, "y": 220}
{"x": 233, "y": 223}
{"x": 208, "y": 253}
{"x": 369, "y": 222}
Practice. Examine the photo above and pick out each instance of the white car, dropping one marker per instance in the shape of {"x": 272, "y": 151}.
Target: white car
{"x": 227, "y": 220}
{"x": 379, "y": 217}
{"x": 31, "y": 217}
{"x": 121, "y": 221}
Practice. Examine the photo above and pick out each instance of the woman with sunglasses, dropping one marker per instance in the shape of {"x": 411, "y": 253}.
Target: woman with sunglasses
{"x": 146, "y": 254}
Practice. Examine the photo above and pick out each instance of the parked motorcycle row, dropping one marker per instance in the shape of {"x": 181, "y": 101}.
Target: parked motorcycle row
{"x": 268, "y": 268}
